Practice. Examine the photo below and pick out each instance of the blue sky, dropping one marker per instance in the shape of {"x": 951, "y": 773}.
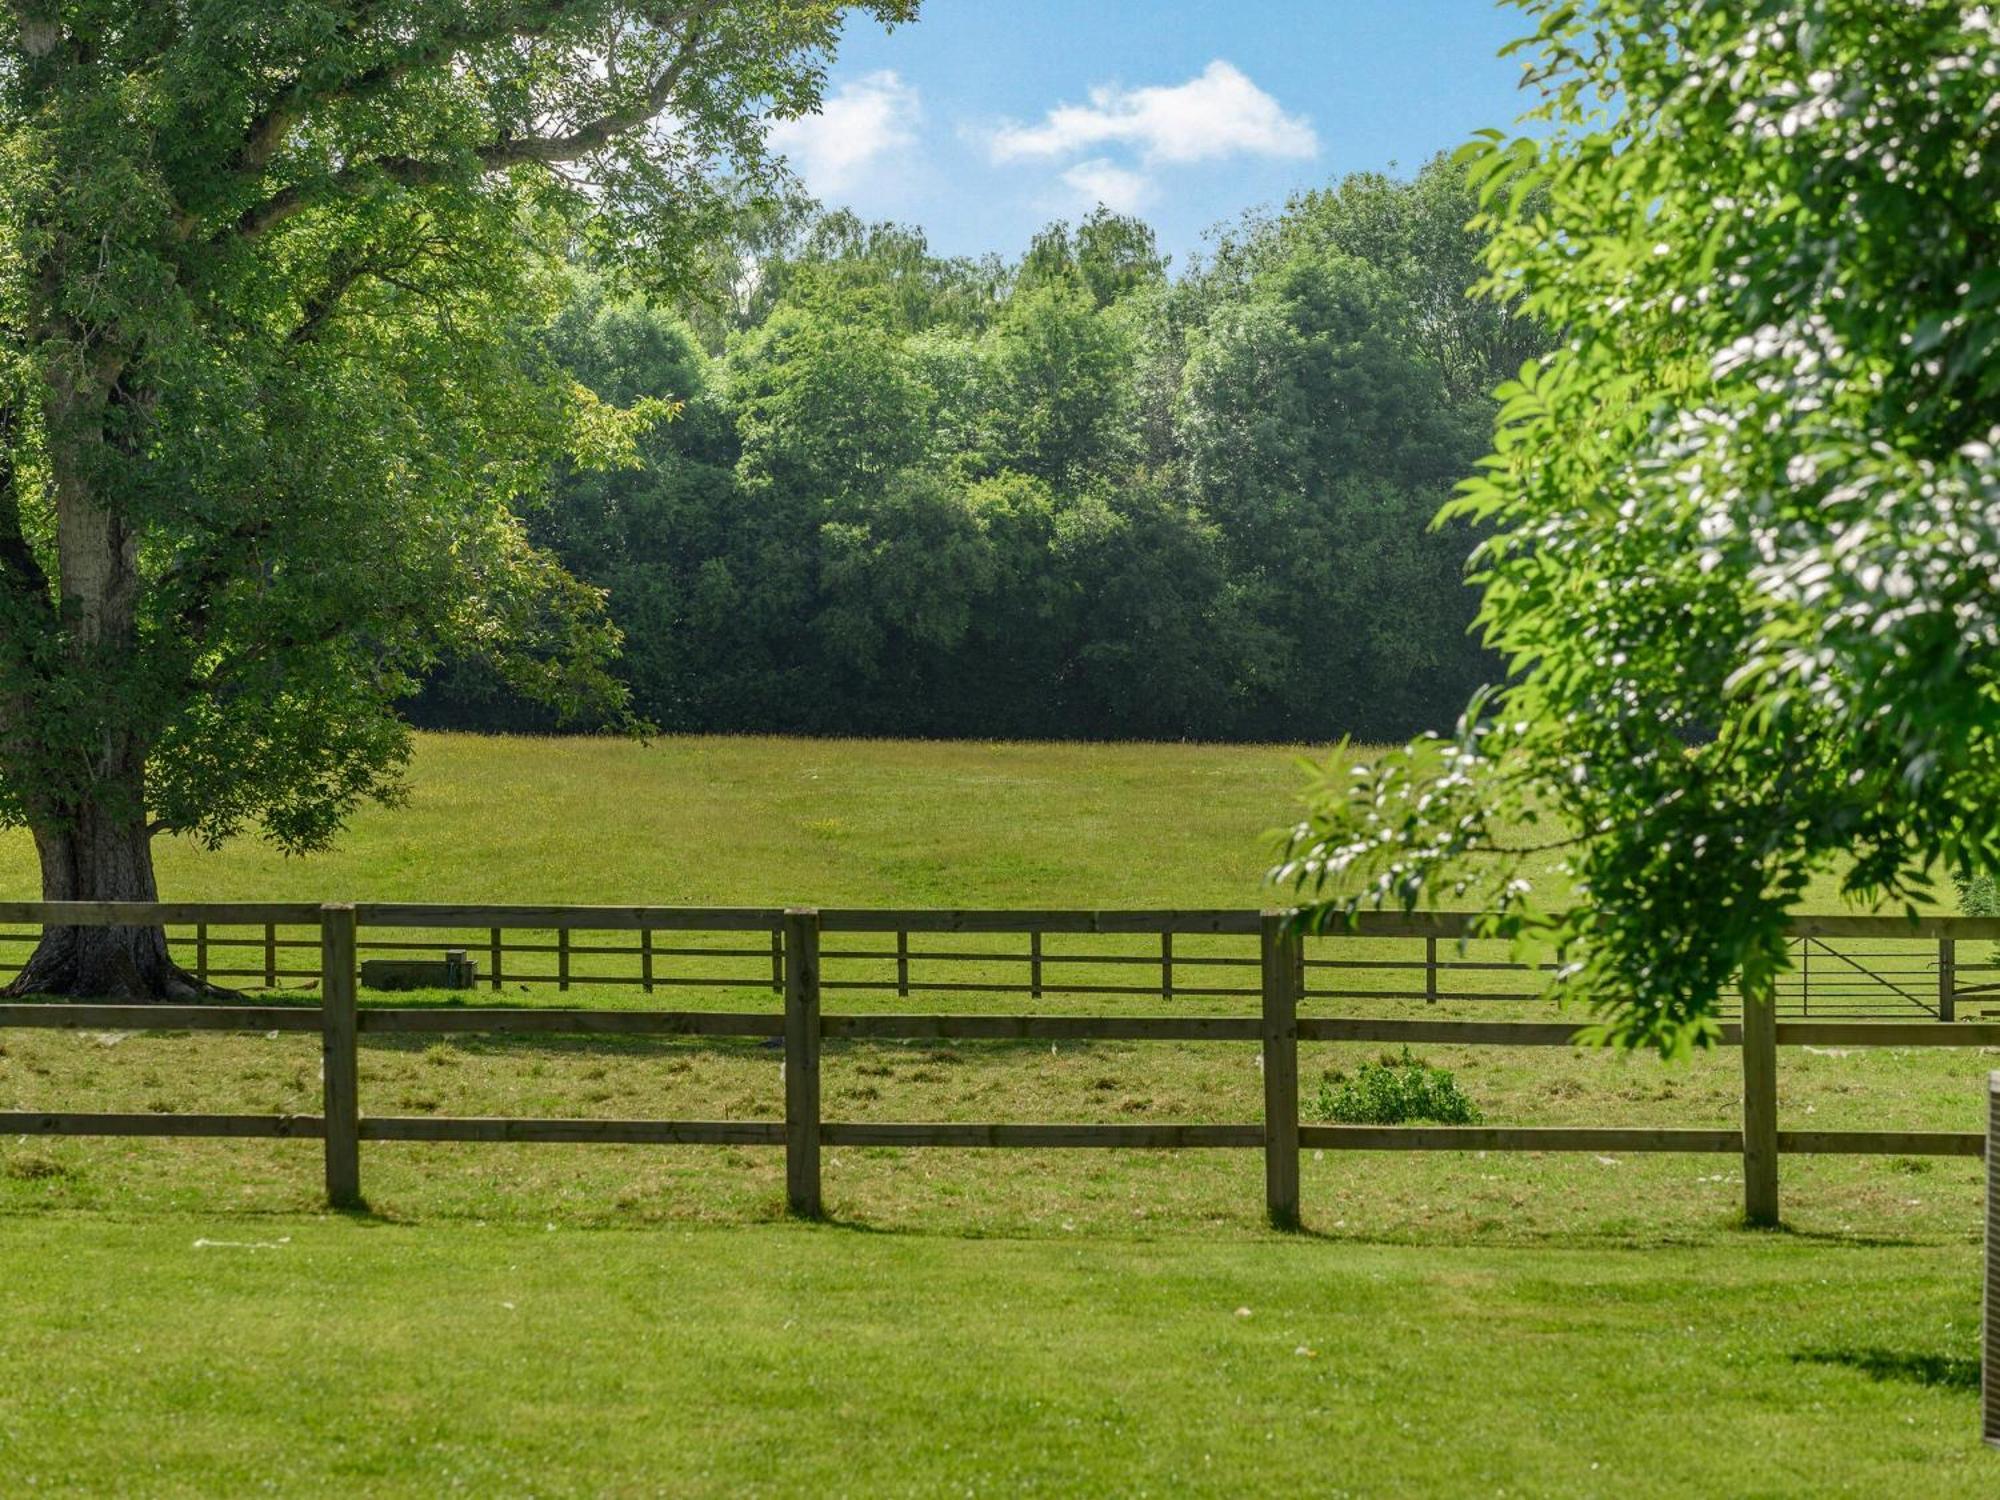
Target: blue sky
{"x": 987, "y": 118}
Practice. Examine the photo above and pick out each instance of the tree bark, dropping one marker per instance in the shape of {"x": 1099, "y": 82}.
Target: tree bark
{"x": 91, "y": 832}
{"x": 92, "y": 837}
{"x": 99, "y": 855}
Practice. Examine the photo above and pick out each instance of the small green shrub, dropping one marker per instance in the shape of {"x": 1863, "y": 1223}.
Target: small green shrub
{"x": 1979, "y": 896}
{"x": 1393, "y": 1091}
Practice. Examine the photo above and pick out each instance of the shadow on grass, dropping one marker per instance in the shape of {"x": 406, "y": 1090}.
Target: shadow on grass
{"x": 845, "y": 1224}
{"x": 1949, "y": 1372}
{"x": 1844, "y": 1238}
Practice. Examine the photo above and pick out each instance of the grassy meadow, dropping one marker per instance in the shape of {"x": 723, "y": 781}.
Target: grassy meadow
{"x": 623, "y": 1320}
{"x": 774, "y": 822}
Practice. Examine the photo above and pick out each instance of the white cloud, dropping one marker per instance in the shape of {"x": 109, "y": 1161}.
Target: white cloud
{"x": 858, "y": 125}
{"x": 1100, "y": 181}
{"x": 1219, "y": 113}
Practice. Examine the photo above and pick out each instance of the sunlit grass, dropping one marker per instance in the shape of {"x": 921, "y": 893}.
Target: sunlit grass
{"x": 170, "y": 1355}
{"x": 576, "y": 1320}
{"x": 764, "y": 822}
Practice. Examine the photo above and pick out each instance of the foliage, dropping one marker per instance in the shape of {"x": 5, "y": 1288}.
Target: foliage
{"x": 1745, "y": 520}
{"x": 1317, "y": 435}
{"x": 1978, "y": 894}
{"x": 1063, "y": 497}
{"x": 271, "y": 392}
{"x": 1392, "y": 1091}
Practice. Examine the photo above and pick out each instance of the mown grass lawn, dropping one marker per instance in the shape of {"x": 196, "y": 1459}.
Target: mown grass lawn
{"x": 573, "y": 1320}
{"x": 178, "y": 1354}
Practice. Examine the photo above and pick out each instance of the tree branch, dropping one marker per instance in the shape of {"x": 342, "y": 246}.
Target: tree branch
{"x": 267, "y": 131}
{"x": 595, "y": 135}
{"x": 373, "y": 264}
{"x": 497, "y": 155}
{"x": 405, "y": 171}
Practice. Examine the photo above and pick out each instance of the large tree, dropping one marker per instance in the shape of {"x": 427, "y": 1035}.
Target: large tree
{"x": 1746, "y": 560}
{"x": 269, "y": 274}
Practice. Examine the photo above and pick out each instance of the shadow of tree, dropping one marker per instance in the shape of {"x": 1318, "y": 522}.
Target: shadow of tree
{"x": 1952, "y": 1372}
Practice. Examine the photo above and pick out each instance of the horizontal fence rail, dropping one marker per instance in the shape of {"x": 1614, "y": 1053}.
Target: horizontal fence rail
{"x": 1841, "y": 967}
{"x": 1854, "y": 982}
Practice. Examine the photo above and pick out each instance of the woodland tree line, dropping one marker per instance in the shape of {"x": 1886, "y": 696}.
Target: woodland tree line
{"x": 1070, "y": 496}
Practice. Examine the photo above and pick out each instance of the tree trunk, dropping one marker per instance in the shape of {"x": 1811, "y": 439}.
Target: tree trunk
{"x": 92, "y": 832}
{"x": 98, "y": 855}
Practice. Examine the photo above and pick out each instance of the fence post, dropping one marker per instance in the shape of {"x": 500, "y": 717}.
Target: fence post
{"x": 1281, "y": 1071}
{"x": 1947, "y": 979}
{"x": 1430, "y": 971}
{"x": 270, "y": 955}
{"x": 340, "y": 1060}
{"x": 1989, "y": 1363}
{"x": 1166, "y": 966}
{"x": 562, "y": 958}
{"x": 1760, "y": 1110}
{"x": 1035, "y": 964}
{"x": 902, "y": 964}
{"x": 493, "y": 944}
{"x": 801, "y": 936}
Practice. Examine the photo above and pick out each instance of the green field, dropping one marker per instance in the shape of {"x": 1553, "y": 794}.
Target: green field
{"x": 773, "y": 822}
{"x": 763, "y": 822}
{"x": 573, "y": 1320}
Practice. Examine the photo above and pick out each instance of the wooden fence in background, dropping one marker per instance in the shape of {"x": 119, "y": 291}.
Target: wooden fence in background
{"x": 1839, "y": 970}
{"x": 808, "y": 955}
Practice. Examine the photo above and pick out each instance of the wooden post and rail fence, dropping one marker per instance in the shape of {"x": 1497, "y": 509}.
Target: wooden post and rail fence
{"x": 790, "y": 943}
{"x": 1989, "y": 1339}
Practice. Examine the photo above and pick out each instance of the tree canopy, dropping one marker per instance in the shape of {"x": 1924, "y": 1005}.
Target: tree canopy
{"x": 1067, "y": 495}
{"x": 272, "y": 388}
{"x": 1744, "y": 549}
